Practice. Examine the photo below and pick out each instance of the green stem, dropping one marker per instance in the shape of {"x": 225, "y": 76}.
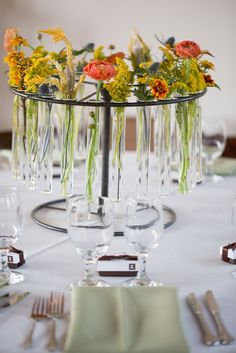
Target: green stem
{"x": 120, "y": 122}
{"x": 140, "y": 132}
{"x": 166, "y": 112}
{"x": 68, "y": 148}
{"x": 93, "y": 148}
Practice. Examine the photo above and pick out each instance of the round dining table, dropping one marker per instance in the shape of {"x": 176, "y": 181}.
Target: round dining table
{"x": 188, "y": 257}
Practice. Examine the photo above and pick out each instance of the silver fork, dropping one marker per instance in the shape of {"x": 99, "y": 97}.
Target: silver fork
{"x": 55, "y": 309}
{"x": 38, "y": 313}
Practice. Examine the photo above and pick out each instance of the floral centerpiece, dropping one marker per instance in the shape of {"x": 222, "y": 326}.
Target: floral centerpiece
{"x": 181, "y": 71}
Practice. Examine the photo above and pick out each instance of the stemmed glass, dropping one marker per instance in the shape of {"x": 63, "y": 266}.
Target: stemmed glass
{"x": 10, "y": 230}
{"x": 233, "y": 221}
{"x": 143, "y": 229}
{"x": 90, "y": 230}
{"x": 213, "y": 145}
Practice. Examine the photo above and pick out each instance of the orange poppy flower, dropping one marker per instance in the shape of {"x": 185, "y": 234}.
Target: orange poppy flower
{"x": 100, "y": 70}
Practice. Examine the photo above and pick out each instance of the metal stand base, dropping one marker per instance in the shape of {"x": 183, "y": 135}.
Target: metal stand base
{"x": 56, "y": 207}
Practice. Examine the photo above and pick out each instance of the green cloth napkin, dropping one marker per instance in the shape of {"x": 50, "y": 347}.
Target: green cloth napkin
{"x": 3, "y": 283}
{"x": 225, "y": 166}
{"x": 125, "y": 320}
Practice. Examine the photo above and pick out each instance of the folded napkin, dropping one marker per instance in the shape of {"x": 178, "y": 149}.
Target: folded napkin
{"x": 225, "y": 166}
{"x": 125, "y": 320}
{"x": 3, "y": 283}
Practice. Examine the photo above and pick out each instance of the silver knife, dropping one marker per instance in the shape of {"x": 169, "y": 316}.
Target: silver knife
{"x": 13, "y": 299}
{"x": 207, "y": 337}
{"x": 213, "y": 308}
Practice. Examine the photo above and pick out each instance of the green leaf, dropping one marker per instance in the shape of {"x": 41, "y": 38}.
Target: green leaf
{"x": 78, "y": 52}
{"x": 206, "y": 52}
{"x": 89, "y": 47}
{"x": 153, "y": 68}
{"x": 170, "y": 41}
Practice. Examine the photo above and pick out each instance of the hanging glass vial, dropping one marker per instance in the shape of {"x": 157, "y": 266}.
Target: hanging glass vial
{"x": 16, "y": 138}
{"x": 92, "y": 153}
{"x": 31, "y": 143}
{"x": 162, "y": 145}
{"x": 175, "y": 148}
{"x": 22, "y": 132}
{"x": 117, "y": 153}
{"x": 186, "y": 113}
{"x": 81, "y": 135}
{"x": 198, "y": 143}
{"x": 143, "y": 132}
{"x": 67, "y": 149}
{"x": 45, "y": 152}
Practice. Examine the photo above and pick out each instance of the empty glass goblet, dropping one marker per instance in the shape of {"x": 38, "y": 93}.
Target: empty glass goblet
{"x": 10, "y": 230}
{"x": 233, "y": 222}
{"x": 90, "y": 230}
{"x": 213, "y": 145}
{"x": 143, "y": 229}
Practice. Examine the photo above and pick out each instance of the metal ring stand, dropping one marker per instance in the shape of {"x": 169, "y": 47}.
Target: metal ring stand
{"x": 52, "y": 205}
{"x": 107, "y": 104}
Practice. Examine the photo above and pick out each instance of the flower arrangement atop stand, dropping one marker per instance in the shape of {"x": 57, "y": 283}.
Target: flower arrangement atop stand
{"x": 42, "y": 79}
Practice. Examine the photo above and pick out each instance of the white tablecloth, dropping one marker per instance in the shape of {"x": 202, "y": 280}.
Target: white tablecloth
{"x": 188, "y": 258}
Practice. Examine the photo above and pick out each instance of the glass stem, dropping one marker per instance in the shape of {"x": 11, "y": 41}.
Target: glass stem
{"x": 4, "y": 260}
{"x": 209, "y": 169}
{"x": 91, "y": 274}
{"x": 142, "y": 274}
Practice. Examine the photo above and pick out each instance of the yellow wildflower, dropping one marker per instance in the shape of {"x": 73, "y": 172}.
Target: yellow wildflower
{"x": 98, "y": 53}
{"x": 57, "y": 34}
{"x": 17, "y": 67}
{"x": 39, "y": 52}
{"x": 66, "y": 73}
{"x": 145, "y": 65}
{"x": 206, "y": 65}
{"x": 119, "y": 88}
{"x": 139, "y": 50}
{"x": 18, "y": 41}
{"x": 40, "y": 68}
{"x": 59, "y": 57}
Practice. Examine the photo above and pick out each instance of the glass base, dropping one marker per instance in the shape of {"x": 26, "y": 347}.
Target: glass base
{"x": 12, "y": 277}
{"x": 136, "y": 282}
{"x": 84, "y": 283}
{"x": 214, "y": 178}
{"x": 234, "y": 274}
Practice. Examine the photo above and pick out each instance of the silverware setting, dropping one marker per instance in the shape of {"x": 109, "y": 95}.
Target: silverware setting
{"x": 10, "y": 299}
{"x": 44, "y": 309}
{"x": 223, "y": 334}
{"x": 38, "y": 313}
{"x": 55, "y": 310}
{"x": 208, "y": 338}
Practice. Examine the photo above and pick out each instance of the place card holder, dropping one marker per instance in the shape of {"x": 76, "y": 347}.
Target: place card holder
{"x": 118, "y": 266}
{"x": 15, "y": 258}
{"x": 228, "y": 253}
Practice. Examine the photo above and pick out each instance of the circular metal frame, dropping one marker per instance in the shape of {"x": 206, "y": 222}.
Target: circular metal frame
{"x": 92, "y": 103}
{"x": 53, "y": 205}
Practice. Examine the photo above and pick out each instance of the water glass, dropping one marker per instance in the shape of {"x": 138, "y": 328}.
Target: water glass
{"x": 10, "y": 230}
{"x": 233, "y": 221}
{"x": 143, "y": 229}
{"x": 90, "y": 230}
{"x": 213, "y": 145}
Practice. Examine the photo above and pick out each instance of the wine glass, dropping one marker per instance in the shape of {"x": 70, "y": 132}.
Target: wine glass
{"x": 143, "y": 229}
{"x": 213, "y": 145}
{"x": 90, "y": 230}
{"x": 233, "y": 222}
{"x": 10, "y": 230}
